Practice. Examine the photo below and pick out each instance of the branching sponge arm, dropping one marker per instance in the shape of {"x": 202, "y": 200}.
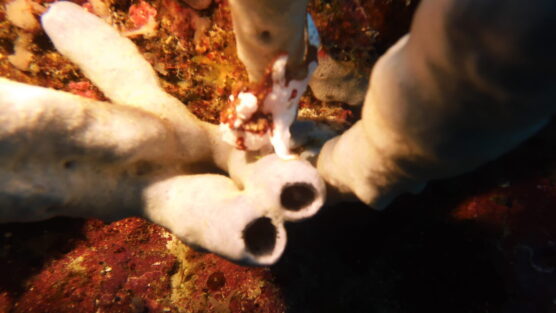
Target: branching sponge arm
{"x": 117, "y": 62}
{"x": 467, "y": 85}
{"x": 72, "y": 151}
{"x": 209, "y": 211}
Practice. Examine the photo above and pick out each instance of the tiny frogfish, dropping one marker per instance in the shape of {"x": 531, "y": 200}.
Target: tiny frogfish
{"x": 260, "y": 115}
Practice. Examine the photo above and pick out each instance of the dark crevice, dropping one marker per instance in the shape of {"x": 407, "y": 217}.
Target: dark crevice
{"x": 260, "y": 236}
{"x": 265, "y": 36}
{"x": 297, "y": 196}
{"x": 69, "y": 164}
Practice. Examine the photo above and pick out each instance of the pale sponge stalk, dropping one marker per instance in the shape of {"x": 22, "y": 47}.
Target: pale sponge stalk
{"x": 468, "y": 84}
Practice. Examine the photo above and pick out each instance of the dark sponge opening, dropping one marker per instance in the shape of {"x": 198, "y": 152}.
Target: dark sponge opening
{"x": 295, "y": 197}
{"x": 260, "y": 236}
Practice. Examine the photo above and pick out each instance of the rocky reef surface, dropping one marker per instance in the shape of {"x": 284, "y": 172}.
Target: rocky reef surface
{"x": 71, "y": 265}
{"x": 482, "y": 242}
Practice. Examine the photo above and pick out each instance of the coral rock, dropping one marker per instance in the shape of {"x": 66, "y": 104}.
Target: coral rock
{"x": 338, "y": 81}
{"x": 68, "y": 265}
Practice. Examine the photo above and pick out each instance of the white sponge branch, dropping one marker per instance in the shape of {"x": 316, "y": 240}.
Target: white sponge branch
{"x": 467, "y": 85}
{"x": 209, "y": 211}
{"x": 73, "y": 151}
{"x": 109, "y": 59}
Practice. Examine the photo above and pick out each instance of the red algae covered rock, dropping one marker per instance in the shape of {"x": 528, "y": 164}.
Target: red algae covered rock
{"x": 522, "y": 217}
{"x": 127, "y": 266}
{"x": 116, "y": 268}
{"x": 216, "y": 285}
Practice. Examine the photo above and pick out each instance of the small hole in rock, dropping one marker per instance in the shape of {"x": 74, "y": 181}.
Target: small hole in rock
{"x": 216, "y": 281}
{"x": 43, "y": 42}
{"x": 260, "y": 236}
{"x": 7, "y": 46}
{"x": 69, "y": 164}
{"x": 143, "y": 168}
{"x": 121, "y": 5}
{"x": 265, "y": 36}
{"x": 295, "y": 197}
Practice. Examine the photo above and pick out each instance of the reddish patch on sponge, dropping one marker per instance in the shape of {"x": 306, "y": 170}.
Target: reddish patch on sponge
{"x": 85, "y": 89}
{"x": 293, "y": 95}
{"x": 240, "y": 143}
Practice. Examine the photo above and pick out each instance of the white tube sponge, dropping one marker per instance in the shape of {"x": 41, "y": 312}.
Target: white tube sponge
{"x": 291, "y": 189}
{"x": 209, "y": 211}
{"x": 473, "y": 80}
{"x": 62, "y": 154}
